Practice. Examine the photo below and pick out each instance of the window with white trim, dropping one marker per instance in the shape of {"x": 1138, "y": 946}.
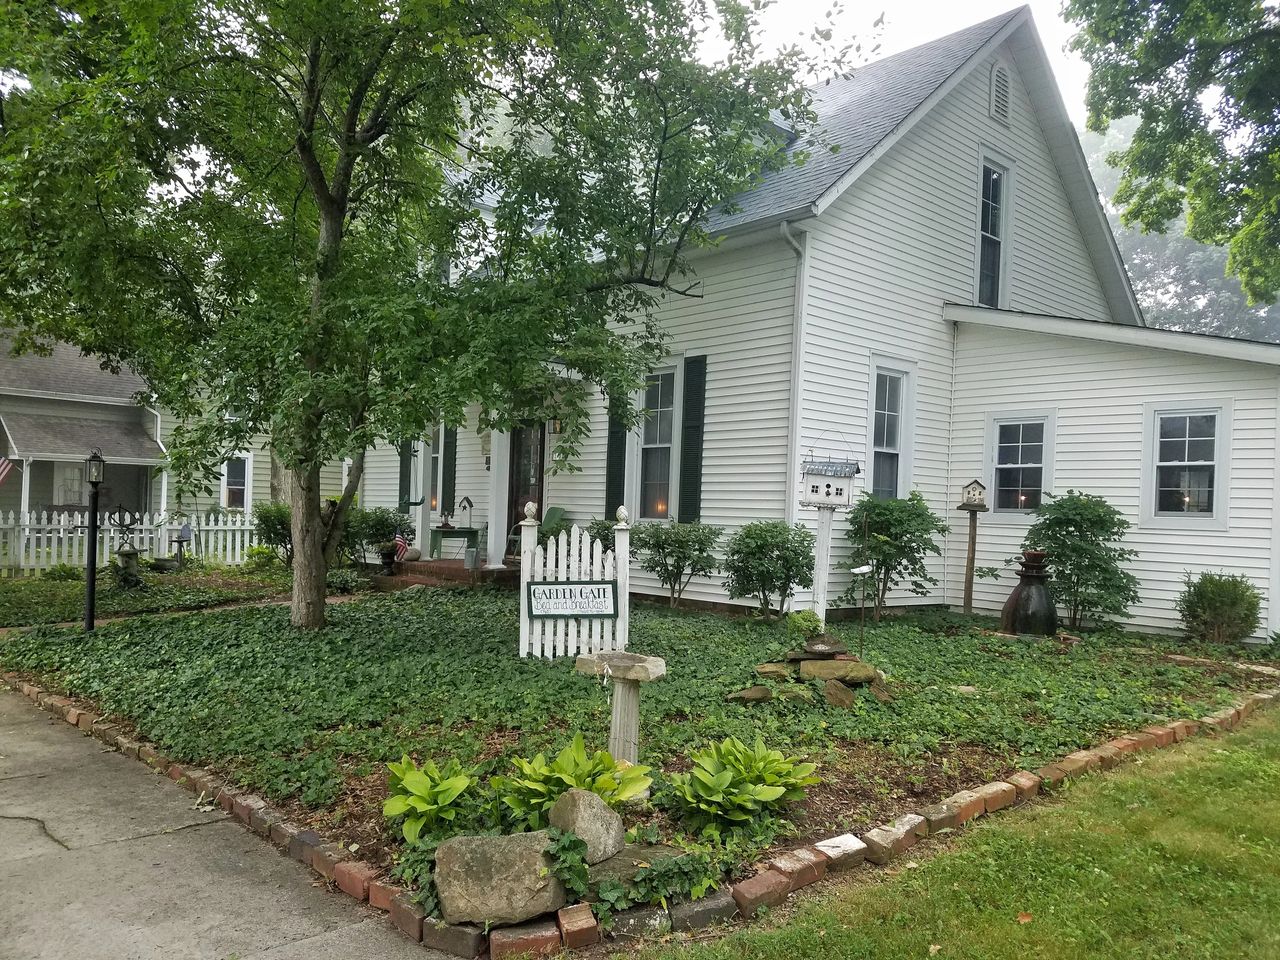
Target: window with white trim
{"x": 888, "y": 429}
{"x": 657, "y": 446}
{"x": 991, "y": 231}
{"x": 235, "y": 483}
{"x": 1020, "y": 458}
{"x": 1186, "y": 462}
{"x": 437, "y": 442}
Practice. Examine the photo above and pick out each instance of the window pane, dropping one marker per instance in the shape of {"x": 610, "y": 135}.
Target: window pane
{"x": 235, "y": 498}
{"x": 1033, "y": 432}
{"x": 1010, "y": 432}
{"x": 989, "y": 273}
{"x": 884, "y": 480}
{"x": 667, "y": 395}
{"x": 664, "y": 426}
{"x": 1173, "y": 451}
{"x": 893, "y": 393}
{"x": 652, "y": 393}
{"x": 1201, "y": 425}
{"x": 1032, "y": 453}
{"x": 1185, "y": 489}
{"x": 655, "y": 482}
{"x": 879, "y": 433}
{"x": 1172, "y": 428}
{"x": 1007, "y": 453}
{"x": 1200, "y": 451}
{"x": 235, "y": 472}
{"x": 882, "y": 391}
{"x": 651, "y": 428}
{"x": 890, "y": 430}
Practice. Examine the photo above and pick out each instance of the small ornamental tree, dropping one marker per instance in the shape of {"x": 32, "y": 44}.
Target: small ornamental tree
{"x": 675, "y": 553}
{"x": 895, "y": 537}
{"x": 1081, "y": 533}
{"x": 768, "y": 559}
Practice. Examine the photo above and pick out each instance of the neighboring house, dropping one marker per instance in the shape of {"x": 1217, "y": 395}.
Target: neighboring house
{"x": 941, "y": 300}
{"x": 56, "y": 408}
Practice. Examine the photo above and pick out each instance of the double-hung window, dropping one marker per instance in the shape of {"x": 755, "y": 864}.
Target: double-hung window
{"x": 437, "y": 442}
{"x": 991, "y": 231}
{"x": 888, "y": 433}
{"x": 1186, "y": 462}
{"x": 235, "y": 483}
{"x": 657, "y": 445}
{"x": 1020, "y": 463}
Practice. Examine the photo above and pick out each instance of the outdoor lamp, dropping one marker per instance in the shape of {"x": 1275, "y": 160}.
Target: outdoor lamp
{"x": 95, "y": 467}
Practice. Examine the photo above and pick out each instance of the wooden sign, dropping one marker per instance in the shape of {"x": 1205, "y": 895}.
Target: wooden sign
{"x": 573, "y": 598}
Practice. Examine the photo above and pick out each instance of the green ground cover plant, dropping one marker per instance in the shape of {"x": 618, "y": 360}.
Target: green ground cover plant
{"x": 434, "y": 674}
{"x": 1173, "y": 857}
{"x": 26, "y": 601}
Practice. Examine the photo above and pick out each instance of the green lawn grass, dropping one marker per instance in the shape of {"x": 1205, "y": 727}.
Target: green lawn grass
{"x": 1174, "y": 856}
{"x": 25, "y": 601}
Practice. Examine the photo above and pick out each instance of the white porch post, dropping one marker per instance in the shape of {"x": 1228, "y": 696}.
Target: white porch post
{"x": 822, "y": 562}
{"x": 26, "y": 486}
{"x": 499, "y": 478}
{"x": 422, "y": 512}
{"x": 164, "y": 492}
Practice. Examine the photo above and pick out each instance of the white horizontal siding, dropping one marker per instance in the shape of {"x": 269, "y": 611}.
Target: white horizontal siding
{"x": 886, "y": 256}
{"x": 1098, "y": 392}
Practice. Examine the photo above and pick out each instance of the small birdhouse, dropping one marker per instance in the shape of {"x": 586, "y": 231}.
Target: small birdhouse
{"x": 827, "y": 483}
{"x": 973, "y": 497}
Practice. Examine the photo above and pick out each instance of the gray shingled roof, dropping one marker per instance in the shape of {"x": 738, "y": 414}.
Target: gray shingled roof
{"x": 857, "y": 111}
{"x": 41, "y": 437}
{"x": 66, "y": 372}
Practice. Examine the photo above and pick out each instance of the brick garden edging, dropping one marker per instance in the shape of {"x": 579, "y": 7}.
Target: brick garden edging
{"x": 575, "y": 926}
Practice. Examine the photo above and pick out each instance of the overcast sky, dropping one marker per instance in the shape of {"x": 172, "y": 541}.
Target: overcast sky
{"x": 908, "y": 23}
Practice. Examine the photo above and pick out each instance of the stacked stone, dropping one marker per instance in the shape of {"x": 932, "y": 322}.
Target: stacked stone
{"x": 822, "y": 658}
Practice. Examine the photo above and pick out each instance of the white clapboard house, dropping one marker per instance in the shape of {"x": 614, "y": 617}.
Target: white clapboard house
{"x": 941, "y": 300}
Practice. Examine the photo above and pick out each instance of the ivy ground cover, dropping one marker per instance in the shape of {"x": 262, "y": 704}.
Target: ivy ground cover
{"x": 308, "y": 718}
{"x": 35, "y": 600}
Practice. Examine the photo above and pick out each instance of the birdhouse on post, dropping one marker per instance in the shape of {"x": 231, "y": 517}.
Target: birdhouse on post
{"x": 974, "y": 497}
{"x": 973, "y": 500}
{"x": 827, "y": 483}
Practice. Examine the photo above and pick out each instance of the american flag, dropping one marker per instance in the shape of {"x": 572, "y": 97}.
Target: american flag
{"x": 5, "y": 466}
{"x": 402, "y": 545}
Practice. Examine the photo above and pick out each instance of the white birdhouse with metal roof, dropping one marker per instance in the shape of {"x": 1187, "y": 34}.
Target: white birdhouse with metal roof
{"x": 827, "y": 483}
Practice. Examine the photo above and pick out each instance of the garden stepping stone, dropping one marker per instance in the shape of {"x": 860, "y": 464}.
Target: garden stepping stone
{"x": 497, "y": 880}
{"x": 583, "y": 813}
{"x": 847, "y": 671}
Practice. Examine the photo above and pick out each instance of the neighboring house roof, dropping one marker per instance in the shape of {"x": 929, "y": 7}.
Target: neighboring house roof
{"x": 65, "y": 373}
{"x": 38, "y": 437}
{"x": 866, "y": 111}
{"x": 1180, "y": 341}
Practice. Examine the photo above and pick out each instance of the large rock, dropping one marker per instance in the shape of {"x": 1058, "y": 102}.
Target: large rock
{"x": 757, "y": 694}
{"x": 846, "y": 671}
{"x": 624, "y": 866}
{"x": 825, "y": 646}
{"x": 496, "y": 880}
{"x": 585, "y": 814}
{"x": 838, "y": 695}
{"x": 780, "y": 671}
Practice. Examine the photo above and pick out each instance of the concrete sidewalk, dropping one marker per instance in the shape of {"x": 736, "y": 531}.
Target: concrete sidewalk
{"x": 101, "y": 858}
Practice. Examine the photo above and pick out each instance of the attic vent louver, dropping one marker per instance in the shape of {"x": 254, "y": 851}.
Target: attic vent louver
{"x": 1000, "y": 92}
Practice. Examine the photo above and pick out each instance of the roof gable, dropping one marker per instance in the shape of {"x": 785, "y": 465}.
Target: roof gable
{"x": 66, "y": 373}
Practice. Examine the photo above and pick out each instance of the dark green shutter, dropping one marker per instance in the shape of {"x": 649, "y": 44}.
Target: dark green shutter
{"x": 691, "y": 420}
{"x": 615, "y": 468}
{"x": 406, "y": 477}
{"x": 449, "y": 469}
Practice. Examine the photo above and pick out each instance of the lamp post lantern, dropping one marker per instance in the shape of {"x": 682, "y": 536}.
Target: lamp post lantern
{"x": 94, "y": 470}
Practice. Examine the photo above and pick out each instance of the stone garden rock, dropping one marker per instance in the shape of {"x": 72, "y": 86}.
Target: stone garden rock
{"x": 622, "y": 666}
{"x": 585, "y": 814}
{"x": 838, "y": 695}
{"x": 824, "y": 646}
{"x": 880, "y": 690}
{"x": 848, "y": 671}
{"x": 623, "y": 866}
{"x": 496, "y": 880}
{"x": 796, "y": 656}
{"x": 640, "y": 923}
{"x": 757, "y": 694}
{"x": 782, "y": 671}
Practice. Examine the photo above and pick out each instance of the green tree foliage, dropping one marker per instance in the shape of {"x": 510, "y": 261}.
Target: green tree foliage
{"x": 896, "y": 537}
{"x": 341, "y": 221}
{"x": 768, "y": 559}
{"x": 1081, "y": 533}
{"x": 1219, "y": 607}
{"x": 675, "y": 553}
{"x": 273, "y": 527}
{"x": 1204, "y": 81}
{"x": 1181, "y": 283}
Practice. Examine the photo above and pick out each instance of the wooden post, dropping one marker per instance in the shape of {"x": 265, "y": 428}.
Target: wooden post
{"x": 822, "y": 561}
{"x": 622, "y": 564}
{"x": 528, "y": 543}
{"x": 968, "y": 561}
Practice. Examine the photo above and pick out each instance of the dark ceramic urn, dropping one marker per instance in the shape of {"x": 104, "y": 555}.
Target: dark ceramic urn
{"x": 1030, "y": 608}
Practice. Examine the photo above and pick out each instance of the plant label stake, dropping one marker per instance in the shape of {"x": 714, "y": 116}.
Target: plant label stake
{"x": 973, "y": 502}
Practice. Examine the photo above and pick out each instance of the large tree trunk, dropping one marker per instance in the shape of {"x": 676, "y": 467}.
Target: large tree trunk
{"x": 309, "y": 567}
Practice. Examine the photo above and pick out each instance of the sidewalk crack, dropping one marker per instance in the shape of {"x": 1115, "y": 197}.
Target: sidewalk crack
{"x": 38, "y": 822}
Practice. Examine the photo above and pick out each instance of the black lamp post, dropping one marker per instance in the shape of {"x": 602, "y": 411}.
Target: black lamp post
{"x": 94, "y": 469}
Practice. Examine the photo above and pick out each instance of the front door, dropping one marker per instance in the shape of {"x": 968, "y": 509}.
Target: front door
{"x": 527, "y": 449}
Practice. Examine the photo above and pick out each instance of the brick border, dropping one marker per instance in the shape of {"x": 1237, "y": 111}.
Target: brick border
{"x": 572, "y": 927}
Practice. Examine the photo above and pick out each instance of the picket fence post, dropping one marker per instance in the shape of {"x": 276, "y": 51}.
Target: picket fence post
{"x": 622, "y": 561}
{"x": 528, "y": 547}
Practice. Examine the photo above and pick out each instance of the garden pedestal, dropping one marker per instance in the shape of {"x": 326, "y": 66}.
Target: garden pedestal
{"x": 627, "y": 671}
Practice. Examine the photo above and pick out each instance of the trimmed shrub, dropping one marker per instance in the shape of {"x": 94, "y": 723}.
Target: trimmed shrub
{"x": 768, "y": 559}
{"x": 802, "y": 626}
{"x": 1219, "y": 607}
{"x": 273, "y": 527}
{"x": 675, "y": 553}
{"x": 894, "y": 536}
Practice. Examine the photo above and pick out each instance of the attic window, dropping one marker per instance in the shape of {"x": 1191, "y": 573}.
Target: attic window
{"x": 1000, "y": 92}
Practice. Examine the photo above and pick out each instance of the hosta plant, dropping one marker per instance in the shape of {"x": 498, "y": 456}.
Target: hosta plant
{"x": 537, "y": 783}
{"x": 426, "y": 796}
{"x": 732, "y": 784}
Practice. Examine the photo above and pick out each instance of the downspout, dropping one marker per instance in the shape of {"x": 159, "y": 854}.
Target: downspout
{"x": 800, "y": 246}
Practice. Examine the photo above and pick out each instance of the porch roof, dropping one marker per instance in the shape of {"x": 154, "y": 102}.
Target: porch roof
{"x": 38, "y": 437}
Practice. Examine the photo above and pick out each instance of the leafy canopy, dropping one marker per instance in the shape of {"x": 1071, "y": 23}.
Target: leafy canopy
{"x": 1204, "y": 80}
{"x": 675, "y": 553}
{"x": 767, "y": 559}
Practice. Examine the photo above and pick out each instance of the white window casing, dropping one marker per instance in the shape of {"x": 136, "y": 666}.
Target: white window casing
{"x": 236, "y": 492}
{"x": 1186, "y": 457}
{"x": 655, "y": 443}
{"x": 993, "y": 235}
{"x": 1021, "y": 453}
{"x": 891, "y": 401}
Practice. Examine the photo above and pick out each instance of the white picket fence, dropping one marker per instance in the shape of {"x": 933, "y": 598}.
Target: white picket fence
{"x": 574, "y": 556}
{"x": 31, "y": 542}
